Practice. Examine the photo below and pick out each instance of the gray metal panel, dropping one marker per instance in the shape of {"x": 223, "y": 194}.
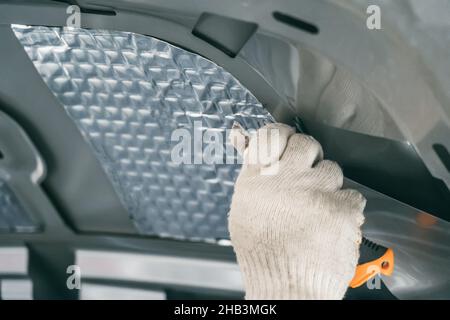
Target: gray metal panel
{"x": 226, "y": 34}
{"x": 83, "y": 200}
{"x": 13, "y": 260}
{"x": 16, "y": 289}
{"x": 21, "y": 171}
{"x": 421, "y": 243}
{"x": 127, "y": 93}
{"x": 388, "y": 166}
{"x": 143, "y": 268}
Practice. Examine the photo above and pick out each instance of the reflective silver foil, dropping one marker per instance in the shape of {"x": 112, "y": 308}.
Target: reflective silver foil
{"x": 127, "y": 93}
{"x": 13, "y": 217}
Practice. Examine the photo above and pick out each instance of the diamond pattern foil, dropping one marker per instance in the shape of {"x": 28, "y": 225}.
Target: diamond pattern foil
{"x": 13, "y": 217}
{"x": 127, "y": 93}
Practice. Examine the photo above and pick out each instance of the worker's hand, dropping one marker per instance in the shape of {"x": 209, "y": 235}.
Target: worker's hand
{"x": 296, "y": 234}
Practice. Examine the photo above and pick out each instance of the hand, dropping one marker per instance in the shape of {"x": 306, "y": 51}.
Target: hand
{"x": 296, "y": 234}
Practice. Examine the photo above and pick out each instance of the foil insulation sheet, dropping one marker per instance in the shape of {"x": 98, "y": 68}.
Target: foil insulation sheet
{"x": 127, "y": 93}
{"x": 13, "y": 217}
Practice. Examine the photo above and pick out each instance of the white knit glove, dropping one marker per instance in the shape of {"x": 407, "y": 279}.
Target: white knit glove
{"x": 296, "y": 234}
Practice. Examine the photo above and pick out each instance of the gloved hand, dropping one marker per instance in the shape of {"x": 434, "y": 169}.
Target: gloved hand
{"x": 296, "y": 234}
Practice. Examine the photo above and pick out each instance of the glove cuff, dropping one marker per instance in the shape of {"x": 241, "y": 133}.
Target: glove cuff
{"x": 279, "y": 278}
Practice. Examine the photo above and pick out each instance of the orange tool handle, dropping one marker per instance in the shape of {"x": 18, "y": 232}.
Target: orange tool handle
{"x": 374, "y": 259}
